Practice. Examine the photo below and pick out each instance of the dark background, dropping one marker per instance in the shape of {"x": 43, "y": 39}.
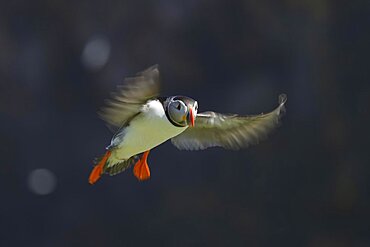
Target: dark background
{"x": 306, "y": 185}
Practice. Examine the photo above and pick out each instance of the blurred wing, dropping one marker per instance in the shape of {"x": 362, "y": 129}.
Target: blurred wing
{"x": 130, "y": 97}
{"x": 228, "y": 131}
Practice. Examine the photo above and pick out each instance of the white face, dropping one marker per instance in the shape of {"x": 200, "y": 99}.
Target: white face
{"x": 178, "y": 111}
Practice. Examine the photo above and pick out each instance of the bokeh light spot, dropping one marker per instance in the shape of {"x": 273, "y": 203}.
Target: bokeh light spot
{"x": 42, "y": 181}
{"x": 96, "y": 53}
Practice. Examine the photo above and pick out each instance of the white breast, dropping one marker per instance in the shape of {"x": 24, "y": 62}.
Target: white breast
{"x": 146, "y": 131}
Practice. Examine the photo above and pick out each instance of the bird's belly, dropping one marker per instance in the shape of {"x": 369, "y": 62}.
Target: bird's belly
{"x": 141, "y": 136}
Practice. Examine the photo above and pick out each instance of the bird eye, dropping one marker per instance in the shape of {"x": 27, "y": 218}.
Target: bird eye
{"x": 178, "y": 107}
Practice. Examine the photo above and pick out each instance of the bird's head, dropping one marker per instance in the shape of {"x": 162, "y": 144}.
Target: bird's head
{"x": 182, "y": 110}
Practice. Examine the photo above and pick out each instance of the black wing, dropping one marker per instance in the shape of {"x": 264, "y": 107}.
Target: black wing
{"x": 130, "y": 97}
{"x": 213, "y": 129}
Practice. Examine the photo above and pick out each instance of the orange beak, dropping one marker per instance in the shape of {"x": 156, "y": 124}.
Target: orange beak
{"x": 191, "y": 117}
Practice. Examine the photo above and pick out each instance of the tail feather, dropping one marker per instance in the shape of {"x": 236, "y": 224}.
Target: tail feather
{"x": 120, "y": 166}
{"x": 99, "y": 168}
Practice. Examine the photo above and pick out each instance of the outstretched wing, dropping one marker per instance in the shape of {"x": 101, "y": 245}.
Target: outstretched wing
{"x": 213, "y": 129}
{"x": 130, "y": 97}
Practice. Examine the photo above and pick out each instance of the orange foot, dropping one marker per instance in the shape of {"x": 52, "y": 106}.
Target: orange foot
{"x": 98, "y": 169}
{"x": 141, "y": 168}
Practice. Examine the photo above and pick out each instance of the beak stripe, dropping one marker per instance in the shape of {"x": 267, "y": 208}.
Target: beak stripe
{"x": 191, "y": 117}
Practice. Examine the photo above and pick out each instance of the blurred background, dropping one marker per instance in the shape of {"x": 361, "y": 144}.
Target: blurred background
{"x": 306, "y": 185}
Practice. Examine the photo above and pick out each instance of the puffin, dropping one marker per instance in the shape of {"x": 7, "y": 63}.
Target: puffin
{"x": 141, "y": 120}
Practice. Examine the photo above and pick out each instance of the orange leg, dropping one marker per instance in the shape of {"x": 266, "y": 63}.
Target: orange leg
{"x": 141, "y": 168}
{"x": 98, "y": 169}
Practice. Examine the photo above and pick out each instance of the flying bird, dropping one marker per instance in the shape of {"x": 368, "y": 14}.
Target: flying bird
{"x": 142, "y": 120}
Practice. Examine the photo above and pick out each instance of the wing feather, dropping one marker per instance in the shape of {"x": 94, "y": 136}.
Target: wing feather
{"x": 229, "y": 131}
{"x": 130, "y": 97}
